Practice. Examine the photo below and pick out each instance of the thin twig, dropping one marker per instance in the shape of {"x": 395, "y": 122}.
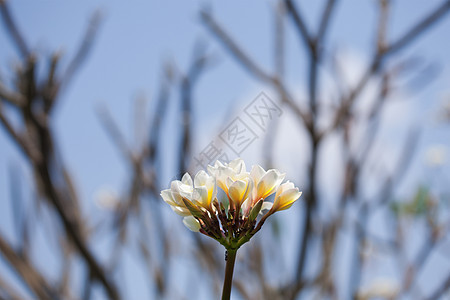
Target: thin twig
{"x": 242, "y": 57}
{"x": 11, "y": 97}
{"x": 412, "y": 34}
{"x": 325, "y": 20}
{"x": 84, "y": 49}
{"x": 13, "y": 30}
{"x": 251, "y": 66}
{"x": 294, "y": 12}
{"x": 30, "y": 275}
{"x": 444, "y": 287}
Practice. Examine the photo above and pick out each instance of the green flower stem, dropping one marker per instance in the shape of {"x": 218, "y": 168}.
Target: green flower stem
{"x": 231, "y": 258}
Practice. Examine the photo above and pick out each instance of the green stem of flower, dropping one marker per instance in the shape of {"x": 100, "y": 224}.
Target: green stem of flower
{"x": 231, "y": 258}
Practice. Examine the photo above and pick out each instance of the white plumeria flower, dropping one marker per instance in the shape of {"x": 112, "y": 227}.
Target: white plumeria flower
{"x": 196, "y": 200}
{"x": 199, "y": 192}
{"x": 264, "y": 183}
{"x": 233, "y": 179}
{"x": 239, "y": 190}
{"x": 185, "y": 186}
{"x": 174, "y": 197}
{"x": 286, "y": 195}
{"x": 204, "y": 189}
{"x": 234, "y": 170}
{"x": 247, "y": 192}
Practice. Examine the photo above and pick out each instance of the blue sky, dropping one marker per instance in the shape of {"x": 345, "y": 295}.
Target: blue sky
{"x": 137, "y": 37}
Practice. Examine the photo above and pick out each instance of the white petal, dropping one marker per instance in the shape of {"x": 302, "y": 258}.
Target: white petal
{"x": 284, "y": 187}
{"x": 270, "y": 177}
{"x": 219, "y": 164}
{"x": 200, "y": 194}
{"x": 280, "y": 178}
{"x": 287, "y": 198}
{"x": 237, "y": 191}
{"x": 266, "y": 205}
{"x": 229, "y": 182}
{"x": 235, "y": 163}
{"x": 181, "y": 211}
{"x": 175, "y": 186}
{"x": 200, "y": 178}
{"x": 177, "y": 194}
{"x": 245, "y": 205}
{"x": 238, "y": 165}
{"x": 211, "y": 170}
{"x": 211, "y": 187}
{"x": 181, "y": 188}
{"x": 242, "y": 167}
{"x": 267, "y": 183}
{"x": 187, "y": 179}
{"x": 257, "y": 173}
{"x": 167, "y": 197}
{"x": 191, "y": 223}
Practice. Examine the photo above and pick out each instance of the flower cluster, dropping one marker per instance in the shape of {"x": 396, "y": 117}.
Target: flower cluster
{"x": 230, "y": 214}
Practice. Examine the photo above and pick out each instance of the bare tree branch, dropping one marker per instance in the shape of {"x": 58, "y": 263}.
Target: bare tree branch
{"x": 30, "y": 275}
{"x": 444, "y": 287}
{"x": 294, "y": 12}
{"x": 412, "y": 34}
{"x": 245, "y": 60}
{"x": 84, "y": 49}
{"x": 242, "y": 57}
{"x": 325, "y": 20}
{"x": 13, "y": 29}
